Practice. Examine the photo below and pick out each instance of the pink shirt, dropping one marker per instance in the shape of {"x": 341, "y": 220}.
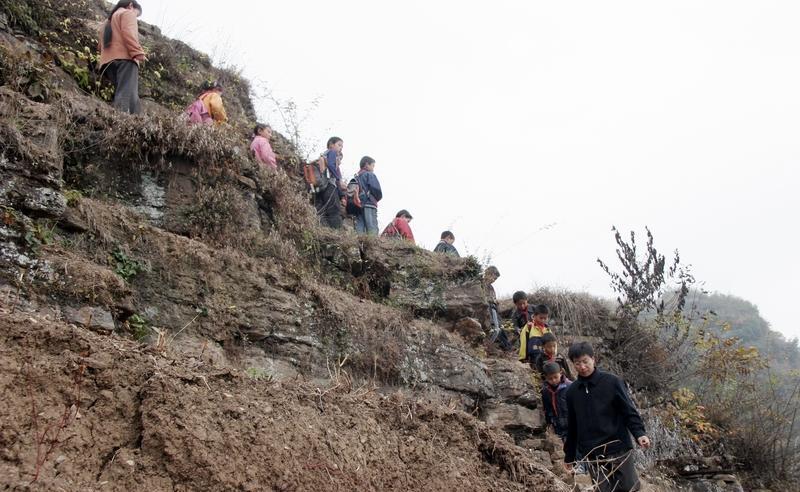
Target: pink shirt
{"x": 263, "y": 151}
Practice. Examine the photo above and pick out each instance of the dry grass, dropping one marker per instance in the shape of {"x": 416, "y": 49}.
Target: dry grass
{"x": 578, "y": 313}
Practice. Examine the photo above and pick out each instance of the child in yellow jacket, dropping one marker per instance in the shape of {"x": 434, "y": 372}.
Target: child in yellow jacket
{"x": 530, "y": 337}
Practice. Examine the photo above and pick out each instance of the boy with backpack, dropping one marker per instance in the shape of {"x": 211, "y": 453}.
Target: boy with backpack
{"x": 325, "y": 180}
{"x": 554, "y": 399}
{"x": 445, "y": 245}
{"x": 550, "y": 354}
{"x": 363, "y": 194}
{"x": 399, "y": 228}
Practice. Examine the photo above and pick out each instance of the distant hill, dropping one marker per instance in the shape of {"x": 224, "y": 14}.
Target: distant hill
{"x": 747, "y": 324}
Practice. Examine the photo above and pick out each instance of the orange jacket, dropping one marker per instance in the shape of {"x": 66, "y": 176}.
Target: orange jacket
{"x": 124, "y": 38}
{"x": 213, "y": 103}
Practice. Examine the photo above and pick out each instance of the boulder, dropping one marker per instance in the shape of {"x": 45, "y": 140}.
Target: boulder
{"x": 45, "y": 201}
{"x": 447, "y": 367}
{"x": 470, "y": 329}
{"x": 94, "y": 318}
{"x": 513, "y": 382}
{"x": 514, "y": 419}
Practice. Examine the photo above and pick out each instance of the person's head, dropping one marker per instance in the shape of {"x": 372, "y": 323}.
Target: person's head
{"x": 582, "y": 356}
{"x": 403, "y": 214}
{"x": 520, "y": 299}
{"x": 211, "y": 85}
{"x": 335, "y": 143}
{"x": 491, "y": 274}
{"x": 122, "y": 4}
{"x": 262, "y": 130}
{"x": 541, "y": 313}
{"x": 549, "y": 344}
{"x": 367, "y": 163}
{"x": 552, "y": 373}
{"x": 448, "y": 237}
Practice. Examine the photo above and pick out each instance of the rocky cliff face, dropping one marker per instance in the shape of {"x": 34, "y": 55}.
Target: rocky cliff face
{"x": 174, "y": 318}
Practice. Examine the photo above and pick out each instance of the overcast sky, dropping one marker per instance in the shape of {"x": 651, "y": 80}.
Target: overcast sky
{"x": 530, "y": 128}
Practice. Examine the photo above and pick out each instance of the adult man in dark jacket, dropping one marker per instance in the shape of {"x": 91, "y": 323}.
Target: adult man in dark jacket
{"x": 446, "y": 244}
{"x": 601, "y": 415}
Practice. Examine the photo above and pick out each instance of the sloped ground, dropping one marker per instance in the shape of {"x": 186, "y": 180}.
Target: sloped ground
{"x": 128, "y": 417}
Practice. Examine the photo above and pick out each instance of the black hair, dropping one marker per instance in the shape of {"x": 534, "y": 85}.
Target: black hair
{"x": 541, "y": 309}
{"x": 518, "y": 296}
{"x": 365, "y": 161}
{"x": 404, "y": 213}
{"x": 259, "y": 127}
{"x": 492, "y": 270}
{"x": 578, "y": 350}
{"x": 333, "y": 141}
{"x": 122, "y": 4}
{"x": 448, "y": 235}
{"x": 551, "y": 368}
{"x": 547, "y": 338}
{"x": 210, "y": 85}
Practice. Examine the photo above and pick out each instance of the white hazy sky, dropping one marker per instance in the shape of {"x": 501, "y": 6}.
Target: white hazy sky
{"x": 530, "y": 128}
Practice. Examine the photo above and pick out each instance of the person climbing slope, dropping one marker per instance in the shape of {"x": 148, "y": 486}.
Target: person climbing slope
{"x": 261, "y": 147}
{"x": 211, "y": 97}
{"x": 399, "y": 228}
{"x": 496, "y": 332}
{"x": 121, "y": 53}
{"x": 327, "y": 200}
{"x": 445, "y": 245}
{"x": 549, "y": 354}
{"x": 601, "y": 418}
{"x": 530, "y": 335}
{"x": 371, "y": 194}
{"x": 554, "y": 398}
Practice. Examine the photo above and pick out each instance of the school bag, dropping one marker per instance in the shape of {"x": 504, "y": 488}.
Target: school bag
{"x": 197, "y": 113}
{"x": 316, "y": 174}
{"x": 356, "y": 195}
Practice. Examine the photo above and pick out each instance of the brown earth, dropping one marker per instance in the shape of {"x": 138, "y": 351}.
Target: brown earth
{"x": 137, "y": 419}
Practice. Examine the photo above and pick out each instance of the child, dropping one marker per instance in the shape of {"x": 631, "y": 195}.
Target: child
{"x": 530, "y": 336}
{"x": 399, "y": 228}
{"x": 496, "y": 333}
{"x": 446, "y": 244}
{"x": 554, "y": 399}
{"x": 550, "y": 354}
{"x": 327, "y": 199}
{"x": 370, "y": 189}
{"x": 261, "y": 147}
{"x": 212, "y": 100}
{"x": 524, "y": 313}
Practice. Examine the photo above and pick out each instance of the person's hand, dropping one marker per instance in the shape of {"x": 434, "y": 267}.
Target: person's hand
{"x": 568, "y": 467}
{"x": 644, "y": 442}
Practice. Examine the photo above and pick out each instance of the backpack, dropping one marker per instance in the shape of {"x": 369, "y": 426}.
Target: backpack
{"x": 197, "y": 113}
{"x": 356, "y": 196}
{"x": 316, "y": 174}
{"x": 391, "y": 231}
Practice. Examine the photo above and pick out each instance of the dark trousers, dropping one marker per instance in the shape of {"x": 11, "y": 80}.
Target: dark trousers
{"x": 124, "y": 74}
{"x": 328, "y": 210}
{"x": 614, "y": 473}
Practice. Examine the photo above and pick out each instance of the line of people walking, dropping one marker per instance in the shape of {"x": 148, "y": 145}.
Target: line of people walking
{"x": 592, "y": 413}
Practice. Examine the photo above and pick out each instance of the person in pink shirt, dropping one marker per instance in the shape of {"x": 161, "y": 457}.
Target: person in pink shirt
{"x": 261, "y": 147}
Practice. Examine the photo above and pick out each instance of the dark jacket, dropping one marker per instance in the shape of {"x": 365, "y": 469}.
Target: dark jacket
{"x": 368, "y": 182}
{"x": 446, "y": 248}
{"x": 521, "y": 319}
{"x": 559, "y": 359}
{"x": 554, "y": 401}
{"x": 600, "y": 412}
